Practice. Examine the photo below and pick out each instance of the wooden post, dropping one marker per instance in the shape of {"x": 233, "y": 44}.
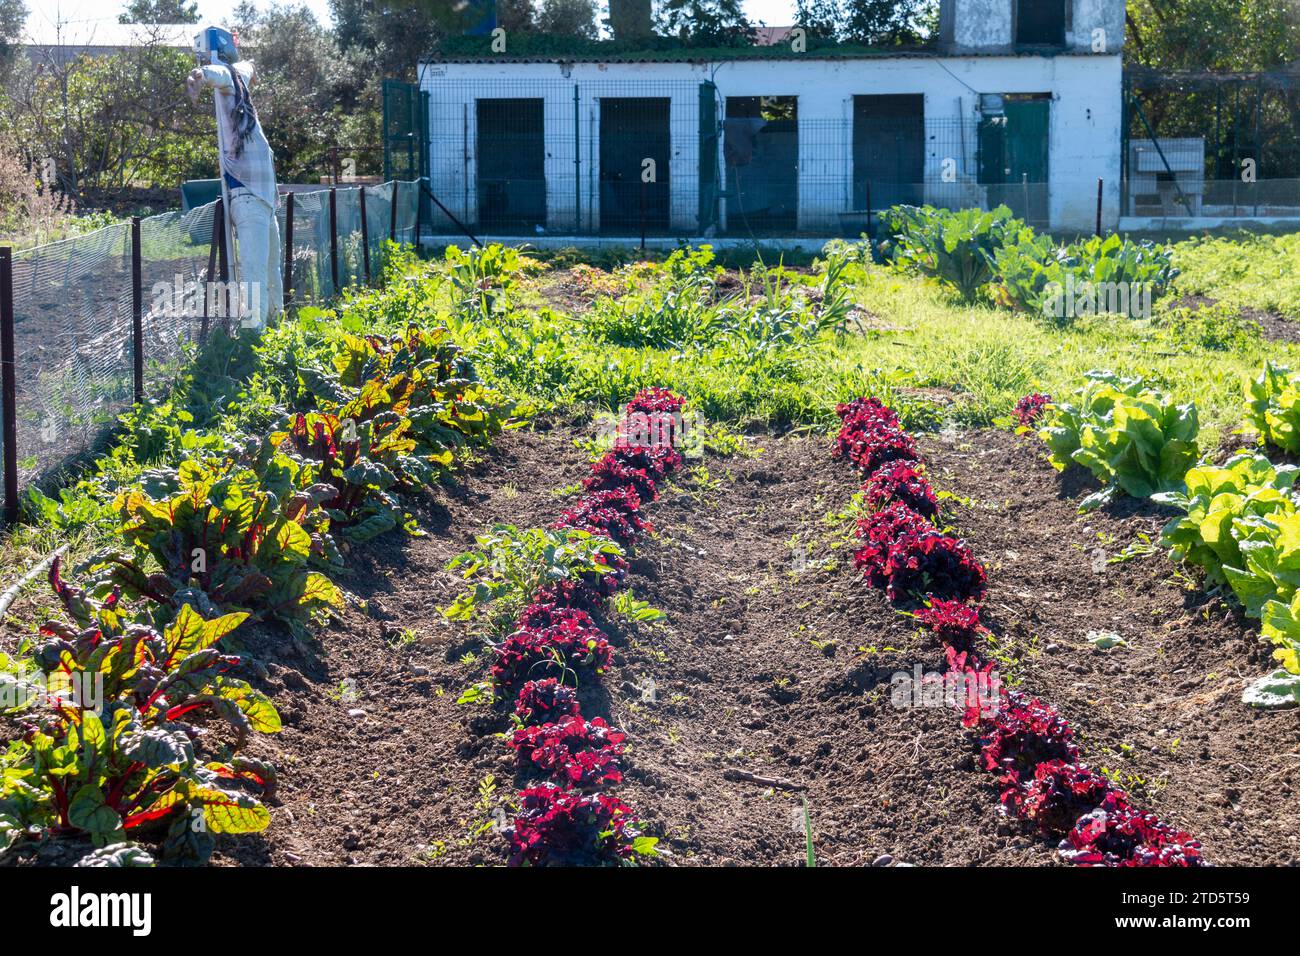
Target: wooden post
{"x": 365, "y": 236}
{"x": 9, "y": 384}
{"x": 137, "y": 312}
{"x": 334, "y": 240}
{"x": 288, "y": 251}
{"x": 223, "y": 264}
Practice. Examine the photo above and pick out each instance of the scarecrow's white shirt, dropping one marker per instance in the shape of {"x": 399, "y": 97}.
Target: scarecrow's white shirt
{"x": 255, "y": 167}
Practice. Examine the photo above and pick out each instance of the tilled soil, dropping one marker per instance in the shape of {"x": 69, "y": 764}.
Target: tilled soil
{"x": 775, "y": 663}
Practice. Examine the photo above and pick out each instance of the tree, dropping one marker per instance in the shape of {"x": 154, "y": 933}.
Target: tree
{"x": 631, "y": 19}
{"x": 1194, "y": 34}
{"x": 568, "y": 18}
{"x": 706, "y": 22}
{"x": 13, "y": 16}
{"x": 868, "y": 22}
{"x": 160, "y": 11}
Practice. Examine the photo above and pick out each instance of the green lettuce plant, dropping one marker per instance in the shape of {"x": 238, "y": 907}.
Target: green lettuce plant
{"x": 1133, "y": 438}
{"x": 1273, "y": 406}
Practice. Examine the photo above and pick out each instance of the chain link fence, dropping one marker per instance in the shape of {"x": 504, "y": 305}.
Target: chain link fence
{"x": 91, "y": 324}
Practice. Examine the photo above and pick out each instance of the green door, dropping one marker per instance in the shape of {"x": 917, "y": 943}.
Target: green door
{"x": 1014, "y": 157}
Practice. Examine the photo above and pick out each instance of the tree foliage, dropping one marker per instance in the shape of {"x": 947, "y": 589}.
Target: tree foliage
{"x": 160, "y": 11}
{"x": 1225, "y": 35}
{"x": 705, "y": 22}
{"x": 868, "y": 22}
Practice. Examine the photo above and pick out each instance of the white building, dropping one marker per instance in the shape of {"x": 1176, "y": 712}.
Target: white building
{"x": 1019, "y": 102}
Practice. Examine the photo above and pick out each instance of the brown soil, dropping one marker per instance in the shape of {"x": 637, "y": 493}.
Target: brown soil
{"x": 775, "y": 660}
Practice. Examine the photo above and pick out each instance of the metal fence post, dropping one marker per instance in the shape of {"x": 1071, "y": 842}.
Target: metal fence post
{"x": 365, "y": 236}
{"x": 1099, "y": 192}
{"x": 392, "y": 214}
{"x": 8, "y": 384}
{"x": 577, "y": 162}
{"x": 137, "y": 311}
{"x": 288, "y": 251}
{"x": 334, "y": 240}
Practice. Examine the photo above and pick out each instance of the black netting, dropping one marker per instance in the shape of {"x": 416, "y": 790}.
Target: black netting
{"x": 73, "y": 329}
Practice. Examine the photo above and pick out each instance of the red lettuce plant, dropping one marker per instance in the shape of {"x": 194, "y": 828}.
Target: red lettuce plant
{"x": 878, "y": 531}
{"x": 1057, "y": 796}
{"x": 580, "y": 753}
{"x": 1030, "y": 409}
{"x": 1023, "y": 734}
{"x": 926, "y": 562}
{"x": 557, "y": 827}
{"x": 569, "y": 644}
{"x": 543, "y": 701}
{"x": 1117, "y": 834}
{"x": 612, "y": 514}
{"x": 955, "y": 623}
{"x": 652, "y": 400}
{"x": 900, "y": 481}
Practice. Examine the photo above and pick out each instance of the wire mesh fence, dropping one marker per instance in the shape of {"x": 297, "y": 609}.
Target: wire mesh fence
{"x": 89, "y": 324}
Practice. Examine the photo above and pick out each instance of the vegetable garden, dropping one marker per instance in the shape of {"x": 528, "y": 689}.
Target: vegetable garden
{"x": 905, "y": 556}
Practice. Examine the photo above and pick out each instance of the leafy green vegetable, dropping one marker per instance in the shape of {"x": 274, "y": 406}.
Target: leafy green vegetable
{"x": 1273, "y": 406}
{"x": 957, "y": 248}
{"x": 1131, "y": 437}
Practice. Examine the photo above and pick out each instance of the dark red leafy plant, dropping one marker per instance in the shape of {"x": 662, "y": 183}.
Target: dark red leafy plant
{"x": 580, "y": 753}
{"x": 1030, "y": 408}
{"x": 569, "y": 644}
{"x": 955, "y": 623}
{"x": 611, "y": 514}
{"x": 925, "y": 562}
{"x": 1117, "y": 834}
{"x": 900, "y": 481}
{"x": 1023, "y": 734}
{"x": 556, "y": 827}
{"x": 1057, "y": 796}
{"x": 878, "y": 531}
{"x": 543, "y": 701}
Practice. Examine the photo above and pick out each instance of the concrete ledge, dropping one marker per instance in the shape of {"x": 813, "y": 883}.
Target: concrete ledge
{"x": 812, "y": 244}
{"x": 1195, "y": 223}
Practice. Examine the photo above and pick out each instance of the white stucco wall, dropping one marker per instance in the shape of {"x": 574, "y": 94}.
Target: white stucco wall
{"x": 1084, "y": 135}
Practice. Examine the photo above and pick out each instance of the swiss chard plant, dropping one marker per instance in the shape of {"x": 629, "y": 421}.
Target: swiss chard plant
{"x": 1133, "y": 438}
{"x": 221, "y": 536}
{"x": 110, "y": 746}
{"x": 364, "y": 462}
{"x": 956, "y": 248}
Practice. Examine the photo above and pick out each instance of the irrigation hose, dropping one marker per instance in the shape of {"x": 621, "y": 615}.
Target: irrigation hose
{"x": 39, "y": 568}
